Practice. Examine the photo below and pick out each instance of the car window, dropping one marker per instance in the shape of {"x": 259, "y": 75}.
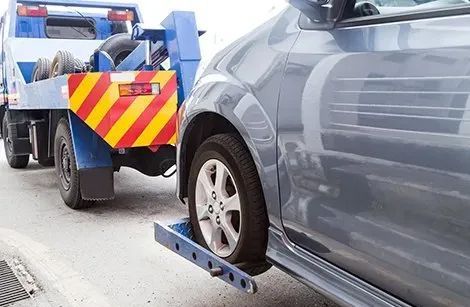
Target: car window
{"x": 375, "y": 8}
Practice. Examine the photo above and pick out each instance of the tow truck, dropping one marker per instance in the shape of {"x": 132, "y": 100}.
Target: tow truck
{"x": 89, "y": 88}
{"x": 104, "y": 101}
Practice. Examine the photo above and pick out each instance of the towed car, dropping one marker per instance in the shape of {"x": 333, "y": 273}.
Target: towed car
{"x": 333, "y": 142}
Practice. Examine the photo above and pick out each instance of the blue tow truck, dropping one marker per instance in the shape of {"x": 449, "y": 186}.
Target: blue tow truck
{"x": 87, "y": 87}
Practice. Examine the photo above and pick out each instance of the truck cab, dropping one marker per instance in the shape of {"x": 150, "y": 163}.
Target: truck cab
{"x": 61, "y": 21}
{"x": 64, "y": 23}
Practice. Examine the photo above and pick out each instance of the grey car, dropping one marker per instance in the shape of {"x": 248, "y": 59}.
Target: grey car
{"x": 334, "y": 143}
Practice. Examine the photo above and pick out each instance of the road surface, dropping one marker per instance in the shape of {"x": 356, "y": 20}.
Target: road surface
{"x": 106, "y": 255}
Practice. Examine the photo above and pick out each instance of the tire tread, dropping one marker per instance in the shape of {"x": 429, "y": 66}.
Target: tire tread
{"x": 66, "y": 62}
{"x": 15, "y": 161}
{"x": 43, "y": 69}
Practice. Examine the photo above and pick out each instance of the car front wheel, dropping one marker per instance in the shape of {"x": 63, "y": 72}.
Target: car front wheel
{"x": 226, "y": 203}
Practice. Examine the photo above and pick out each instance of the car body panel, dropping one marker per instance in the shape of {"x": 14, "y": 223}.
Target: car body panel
{"x": 242, "y": 84}
{"x": 373, "y": 131}
{"x": 333, "y": 282}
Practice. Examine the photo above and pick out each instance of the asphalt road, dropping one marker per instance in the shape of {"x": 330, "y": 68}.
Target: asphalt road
{"x": 106, "y": 256}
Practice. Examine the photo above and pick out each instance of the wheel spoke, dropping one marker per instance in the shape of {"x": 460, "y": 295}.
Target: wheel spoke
{"x": 206, "y": 182}
{"x": 202, "y": 212}
{"x": 230, "y": 233}
{"x": 215, "y": 240}
{"x": 232, "y": 203}
{"x": 220, "y": 179}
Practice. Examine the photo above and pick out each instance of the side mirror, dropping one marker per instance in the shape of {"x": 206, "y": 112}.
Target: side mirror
{"x": 315, "y": 10}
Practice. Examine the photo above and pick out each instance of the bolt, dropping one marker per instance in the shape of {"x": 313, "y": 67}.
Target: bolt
{"x": 214, "y": 196}
{"x": 211, "y": 210}
{"x": 221, "y": 206}
{"x": 217, "y": 220}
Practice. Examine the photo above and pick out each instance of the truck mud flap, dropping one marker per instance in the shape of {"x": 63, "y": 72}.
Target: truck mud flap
{"x": 97, "y": 183}
{"x": 178, "y": 237}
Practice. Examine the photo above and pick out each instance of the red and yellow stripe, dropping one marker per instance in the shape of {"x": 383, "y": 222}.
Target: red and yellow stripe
{"x": 124, "y": 122}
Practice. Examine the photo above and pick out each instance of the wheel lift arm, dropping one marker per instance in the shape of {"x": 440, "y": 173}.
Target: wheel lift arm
{"x": 178, "y": 237}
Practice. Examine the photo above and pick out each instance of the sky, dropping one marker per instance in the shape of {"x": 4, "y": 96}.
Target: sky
{"x": 224, "y": 20}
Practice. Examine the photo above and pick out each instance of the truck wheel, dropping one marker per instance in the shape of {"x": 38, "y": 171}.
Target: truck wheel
{"x": 63, "y": 63}
{"x": 42, "y": 70}
{"x": 118, "y": 47}
{"x": 13, "y": 160}
{"x": 226, "y": 202}
{"x": 66, "y": 168}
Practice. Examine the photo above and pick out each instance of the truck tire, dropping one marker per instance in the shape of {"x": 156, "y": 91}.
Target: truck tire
{"x": 42, "y": 70}
{"x": 226, "y": 203}
{"x": 63, "y": 63}
{"x": 79, "y": 66}
{"x": 66, "y": 168}
{"x": 118, "y": 47}
{"x": 2, "y": 115}
{"x": 13, "y": 160}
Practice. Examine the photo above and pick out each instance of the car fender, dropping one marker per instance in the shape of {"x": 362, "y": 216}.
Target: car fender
{"x": 226, "y": 96}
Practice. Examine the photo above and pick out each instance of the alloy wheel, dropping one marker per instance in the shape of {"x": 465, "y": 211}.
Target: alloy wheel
{"x": 218, "y": 207}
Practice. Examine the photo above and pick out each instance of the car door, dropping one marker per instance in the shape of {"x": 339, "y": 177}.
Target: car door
{"x": 374, "y": 138}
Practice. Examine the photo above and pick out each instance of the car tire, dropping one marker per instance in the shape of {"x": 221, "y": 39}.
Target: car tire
{"x": 66, "y": 168}
{"x": 42, "y": 70}
{"x": 118, "y": 47}
{"x": 62, "y": 64}
{"x": 242, "y": 179}
{"x": 14, "y": 161}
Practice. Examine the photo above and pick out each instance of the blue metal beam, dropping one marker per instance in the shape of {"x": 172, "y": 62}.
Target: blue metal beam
{"x": 178, "y": 238}
{"x": 103, "y": 62}
{"x": 136, "y": 59}
{"x": 182, "y": 42}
